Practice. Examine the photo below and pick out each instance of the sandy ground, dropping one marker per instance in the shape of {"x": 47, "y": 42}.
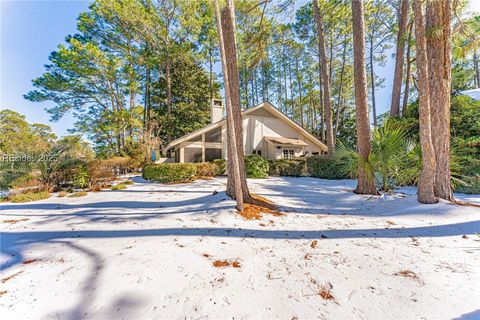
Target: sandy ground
{"x": 148, "y": 252}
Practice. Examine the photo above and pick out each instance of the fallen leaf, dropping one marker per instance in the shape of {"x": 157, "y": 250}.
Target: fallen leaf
{"x": 29, "y": 261}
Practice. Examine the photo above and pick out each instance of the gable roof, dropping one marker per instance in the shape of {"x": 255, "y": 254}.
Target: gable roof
{"x": 264, "y": 105}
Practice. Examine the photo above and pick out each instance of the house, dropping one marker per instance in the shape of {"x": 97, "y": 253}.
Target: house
{"x": 266, "y": 132}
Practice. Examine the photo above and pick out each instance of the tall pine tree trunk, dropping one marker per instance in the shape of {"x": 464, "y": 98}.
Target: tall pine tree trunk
{"x": 300, "y": 102}
{"x": 340, "y": 87}
{"x": 366, "y": 183}
{"x": 398, "y": 74}
{"x": 325, "y": 78}
{"x": 427, "y": 176}
{"x": 407, "y": 71}
{"x": 439, "y": 15}
{"x": 372, "y": 76}
{"x": 234, "y": 187}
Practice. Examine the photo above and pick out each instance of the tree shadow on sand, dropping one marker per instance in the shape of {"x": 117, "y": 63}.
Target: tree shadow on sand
{"x": 14, "y": 243}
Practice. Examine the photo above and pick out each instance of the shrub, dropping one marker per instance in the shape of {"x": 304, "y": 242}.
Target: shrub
{"x": 80, "y": 178}
{"x": 256, "y": 166}
{"x": 471, "y": 185}
{"x": 78, "y": 194}
{"x": 120, "y": 186}
{"x": 206, "y": 169}
{"x": 221, "y": 167}
{"x": 326, "y": 167}
{"x": 286, "y": 167}
{"x": 128, "y": 182}
{"x": 62, "y": 194}
{"x": 29, "y": 196}
{"x": 121, "y": 165}
{"x": 100, "y": 171}
{"x": 25, "y": 181}
{"x": 170, "y": 172}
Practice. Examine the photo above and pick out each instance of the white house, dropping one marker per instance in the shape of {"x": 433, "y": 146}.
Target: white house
{"x": 266, "y": 132}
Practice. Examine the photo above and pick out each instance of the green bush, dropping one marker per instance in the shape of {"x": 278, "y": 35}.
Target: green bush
{"x": 286, "y": 167}
{"x": 471, "y": 185}
{"x": 120, "y": 186}
{"x": 29, "y": 196}
{"x": 206, "y": 169}
{"x": 256, "y": 166}
{"x": 170, "y": 172}
{"x": 80, "y": 178}
{"x": 326, "y": 167}
{"x": 221, "y": 167}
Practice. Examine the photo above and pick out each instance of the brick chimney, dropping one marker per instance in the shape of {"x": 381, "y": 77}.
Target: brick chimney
{"x": 216, "y": 110}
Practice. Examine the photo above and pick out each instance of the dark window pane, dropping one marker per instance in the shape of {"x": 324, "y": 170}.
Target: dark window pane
{"x": 214, "y": 136}
{"x": 212, "y": 154}
{"x": 193, "y": 154}
{"x": 196, "y": 139}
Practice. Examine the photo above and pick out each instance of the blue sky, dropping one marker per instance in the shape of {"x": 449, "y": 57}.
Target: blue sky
{"x": 31, "y": 30}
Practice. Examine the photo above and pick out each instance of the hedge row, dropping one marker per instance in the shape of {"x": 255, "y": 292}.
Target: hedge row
{"x": 170, "y": 172}
{"x": 286, "y": 167}
{"x": 256, "y": 167}
{"x": 326, "y": 167}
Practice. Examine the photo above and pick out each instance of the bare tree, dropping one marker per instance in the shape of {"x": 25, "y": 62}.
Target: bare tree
{"x": 324, "y": 78}
{"x": 439, "y": 42}
{"x": 366, "y": 183}
{"x": 398, "y": 75}
{"x": 427, "y": 177}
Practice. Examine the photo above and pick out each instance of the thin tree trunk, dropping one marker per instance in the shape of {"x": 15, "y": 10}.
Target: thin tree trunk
{"x": 234, "y": 188}
{"x": 285, "y": 84}
{"x": 427, "y": 177}
{"x": 366, "y": 183}
{"x": 439, "y": 15}
{"x": 325, "y": 78}
{"x": 477, "y": 69}
{"x": 168, "y": 76}
{"x": 398, "y": 74}
{"x": 407, "y": 76}
{"x": 253, "y": 89}
{"x": 292, "y": 106}
{"x": 300, "y": 104}
{"x": 372, "y": 76}
{"x": 340, "y": 89}
{"x": 210, "y": 72}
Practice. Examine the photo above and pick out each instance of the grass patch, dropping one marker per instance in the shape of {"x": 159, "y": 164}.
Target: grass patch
{"x": 29, "y": 197}
{"x": 78, "y": 194}
{"x": 62, "y": 194}
{"x": 128, "y": 182}
{"x": 120, "y": 186}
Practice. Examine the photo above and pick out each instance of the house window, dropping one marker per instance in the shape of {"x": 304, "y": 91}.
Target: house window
{"x": 288, "y": 153}
{"x": 212, "y": 154}
{"x": 214, "y": 135}
{"x": 257, "y": 152}
{"x": 193, "y": 154}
